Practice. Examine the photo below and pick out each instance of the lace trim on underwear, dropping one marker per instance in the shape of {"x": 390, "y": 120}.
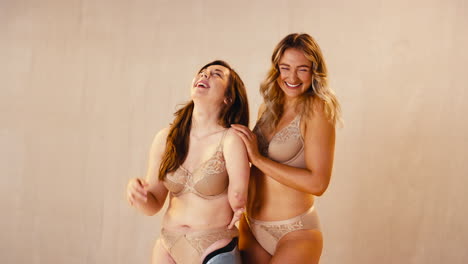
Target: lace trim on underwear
{"x": 199, "y": 240}
{"x": 202, "y": 242}
{"x": 277, "y": 231}
{"x": 169, "y": 239}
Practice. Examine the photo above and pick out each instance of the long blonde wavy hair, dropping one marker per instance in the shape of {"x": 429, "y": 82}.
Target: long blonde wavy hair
{"x": 273, "y": 96}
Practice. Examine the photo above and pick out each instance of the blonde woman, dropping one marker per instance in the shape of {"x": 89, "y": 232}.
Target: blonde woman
{"x": 202, "y": 166}
{"x": 291, "y": 150}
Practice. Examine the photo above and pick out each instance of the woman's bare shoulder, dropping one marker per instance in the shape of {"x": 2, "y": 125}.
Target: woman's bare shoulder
{"x": 232, "y": 137}
{"x": 159, "y": 140}
{"x": 316, "y": 109}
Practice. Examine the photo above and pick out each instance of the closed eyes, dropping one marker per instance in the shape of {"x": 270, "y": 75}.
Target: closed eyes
{"x": 214, "y": 73}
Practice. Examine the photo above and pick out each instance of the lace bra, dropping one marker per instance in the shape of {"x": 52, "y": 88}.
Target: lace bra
{"x": 286, "y": 146}
{"x": 208, "y": 181}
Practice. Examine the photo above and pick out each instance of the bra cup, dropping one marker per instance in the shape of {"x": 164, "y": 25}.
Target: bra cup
{"x": 297, "y": 161}
{"x": 212, "y": 178}
{"x": 285, "y": 151}
{"x": 173, "y": 187}
{"x": 286, "y": 146}
{"x": 208, "y": 181}
{"x": 175, "y": 181}
{"x": 212, "y": 184}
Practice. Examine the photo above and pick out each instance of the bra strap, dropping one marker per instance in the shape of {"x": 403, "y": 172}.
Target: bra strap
{"x": 221, "y": 143}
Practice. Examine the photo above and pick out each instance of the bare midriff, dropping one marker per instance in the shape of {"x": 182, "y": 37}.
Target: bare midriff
{"x": 269, "y": 200}
{"x": 191, "y": 212}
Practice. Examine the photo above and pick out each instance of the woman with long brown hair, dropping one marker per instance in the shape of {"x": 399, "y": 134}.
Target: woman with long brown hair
{"x": 202, "y": 166}
{"x": 291, "y": 150}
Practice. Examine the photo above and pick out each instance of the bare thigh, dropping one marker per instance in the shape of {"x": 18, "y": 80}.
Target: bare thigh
{"x": 160, "y": 254}
{"x": 301, "y": 246}
{"x": 251, "y": 250}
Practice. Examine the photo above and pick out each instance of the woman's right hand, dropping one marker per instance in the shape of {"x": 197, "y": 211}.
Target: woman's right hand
{"x": 250, "y": 141}
{"x": 136, "y": 191}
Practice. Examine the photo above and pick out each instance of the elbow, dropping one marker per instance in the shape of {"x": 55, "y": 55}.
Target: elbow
{"x": 319, "y": 188}
{"x": 320, "y": 182}
{"x": 150, "y": 211}
{"x": 237, "y": 200}
{"x": 152, "y": 205}
{"x": 319, "y": 192}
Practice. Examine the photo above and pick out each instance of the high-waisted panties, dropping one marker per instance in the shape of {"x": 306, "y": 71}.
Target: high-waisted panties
{"x": 188, "y": 247}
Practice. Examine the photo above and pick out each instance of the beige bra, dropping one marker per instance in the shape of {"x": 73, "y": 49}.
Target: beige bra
{"x": 286, "y": 146}
{"x": 208, "y": 181}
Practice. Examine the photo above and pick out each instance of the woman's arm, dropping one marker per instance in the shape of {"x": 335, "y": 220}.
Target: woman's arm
{"x": 148, "y": 195}
{"x": 237, "y": 166}
{"x": 319, "y": 144}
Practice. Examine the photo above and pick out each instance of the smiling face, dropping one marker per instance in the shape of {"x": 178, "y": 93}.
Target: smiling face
{"x": 211, "y": 83}
{"x": 295, "y": 73}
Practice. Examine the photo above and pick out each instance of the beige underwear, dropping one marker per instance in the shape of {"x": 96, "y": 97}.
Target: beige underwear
{"x": 188, "y": 248}
{"x": 268, "y": 233}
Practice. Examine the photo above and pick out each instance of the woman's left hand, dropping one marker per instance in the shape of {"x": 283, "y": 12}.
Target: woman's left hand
{"x": 250, "y": 141}
{"x": 236, "y": 217}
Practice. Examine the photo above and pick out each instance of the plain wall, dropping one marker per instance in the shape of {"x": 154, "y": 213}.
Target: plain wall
{"x": 85, "y": 85}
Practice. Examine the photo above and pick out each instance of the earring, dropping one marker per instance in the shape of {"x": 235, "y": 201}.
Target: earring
{"x": 227, "y": 101}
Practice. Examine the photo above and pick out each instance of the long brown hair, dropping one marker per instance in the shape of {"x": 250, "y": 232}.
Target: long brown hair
{"x": 234, "y": 111}
{"x": 273, "y": 96}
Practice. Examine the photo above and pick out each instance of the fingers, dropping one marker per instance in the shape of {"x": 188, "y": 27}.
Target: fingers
{"x": 136, "y": 191}
{"x": 249, "y": 138}
{"x": 140, "y": 197}
{"x": 243, "y": 130}
{"x": 244, "y": 133}
{"x": 141, "y": 186}
{"x": 236, "y": 217}
{"x": 130, "y": 199}
{"x": 233, "y": 222}
{"x": 140, "y": 192}
{"x": 143, "y": 182}
{"x": 243, "y": 137}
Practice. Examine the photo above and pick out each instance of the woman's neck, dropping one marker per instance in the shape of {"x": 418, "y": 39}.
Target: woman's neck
{"x": 289, "y": 105}
{"x": 205, "y": 119}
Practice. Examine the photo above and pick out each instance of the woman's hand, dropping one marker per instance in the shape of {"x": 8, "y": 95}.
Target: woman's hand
{"x": 236, "y": 217}
{"x": 250, "y": 141}
{"x": 136, "y": 191}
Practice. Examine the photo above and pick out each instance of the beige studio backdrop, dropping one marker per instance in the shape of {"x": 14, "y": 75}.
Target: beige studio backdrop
{"x": 85, "y": 85}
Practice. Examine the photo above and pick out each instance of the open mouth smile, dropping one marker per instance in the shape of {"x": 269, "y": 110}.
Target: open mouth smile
{"x": 292, "y": 85}
{"x": 202, "y": 84}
